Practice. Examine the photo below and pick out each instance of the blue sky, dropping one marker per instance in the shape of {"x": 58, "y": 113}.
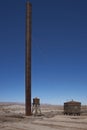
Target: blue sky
{"x": 59, "y": 50}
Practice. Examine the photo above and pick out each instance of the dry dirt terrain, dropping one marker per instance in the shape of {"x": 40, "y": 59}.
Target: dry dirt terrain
{"x": 12, "y": 117}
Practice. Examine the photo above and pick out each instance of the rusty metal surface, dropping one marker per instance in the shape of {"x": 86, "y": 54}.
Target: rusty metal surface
{"x": 72, "y": 107}
{"x": 28, "y": 59}
{"x": 36, "y": 101}
{"x": 73, "y": 102}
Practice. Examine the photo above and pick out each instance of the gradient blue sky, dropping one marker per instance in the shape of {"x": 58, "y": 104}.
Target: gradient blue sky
{"x": 59, "y": 50}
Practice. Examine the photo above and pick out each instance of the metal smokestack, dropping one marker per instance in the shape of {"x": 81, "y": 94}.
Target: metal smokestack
{"x": 28, "y": 59}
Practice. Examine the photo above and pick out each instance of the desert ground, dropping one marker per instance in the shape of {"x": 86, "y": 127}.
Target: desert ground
{"x": 12, "y": 117}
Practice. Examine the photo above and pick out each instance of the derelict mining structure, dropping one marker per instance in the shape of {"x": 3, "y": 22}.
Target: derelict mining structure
{"x": 28, "y": 60}
{"x": 36, "y": 106}
{"x": 72, "y": 108}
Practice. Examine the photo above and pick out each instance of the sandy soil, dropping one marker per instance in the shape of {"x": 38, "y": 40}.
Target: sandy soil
{"x": 12, "y": 117}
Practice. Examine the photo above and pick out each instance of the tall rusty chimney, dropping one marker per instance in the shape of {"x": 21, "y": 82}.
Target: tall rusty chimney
{"x": 28, "y": 59}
